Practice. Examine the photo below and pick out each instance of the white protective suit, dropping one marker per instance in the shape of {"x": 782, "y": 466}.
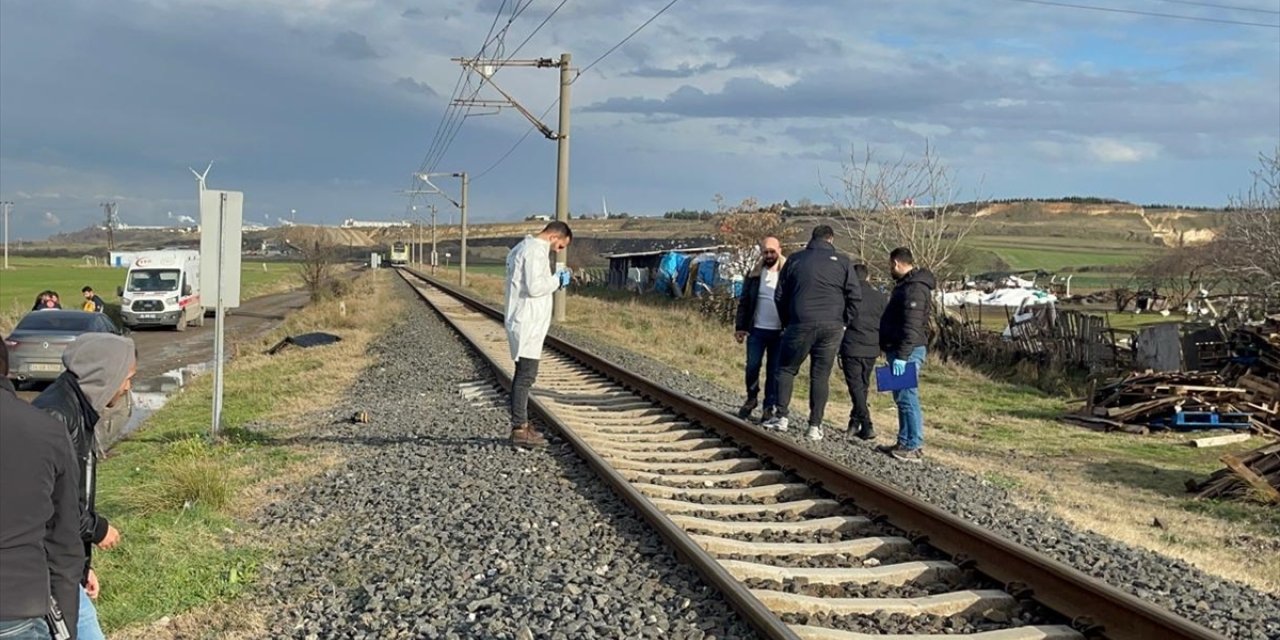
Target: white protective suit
{"x": 530, "y": 284}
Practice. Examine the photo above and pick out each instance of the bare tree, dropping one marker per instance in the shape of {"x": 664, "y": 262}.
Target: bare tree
{"x": 1182, "y": 273}
{"x": 1252, "y": 234}
{"x": 742, "y": 227}
{"x": 908, "y": 202}
{"x": 318, "y": 259}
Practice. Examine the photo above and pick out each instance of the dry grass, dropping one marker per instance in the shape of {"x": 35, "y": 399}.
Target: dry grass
{"x": 182, "y": 500}
{"x": 1113, "y": 484}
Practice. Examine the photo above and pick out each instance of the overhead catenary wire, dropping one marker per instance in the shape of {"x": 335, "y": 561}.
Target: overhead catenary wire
{"x": 593, "y": 63}
{"x": 450, "y": 113}
{"x": 1226, "y": 7}
{"x": 623, "y": 41}
{"x": 519, "y": 142}
{"x": 455, "y": 126}
{"x": 1152, "y": 14}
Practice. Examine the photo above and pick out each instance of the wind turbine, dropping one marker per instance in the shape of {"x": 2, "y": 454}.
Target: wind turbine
{"x": 201, "y": 176}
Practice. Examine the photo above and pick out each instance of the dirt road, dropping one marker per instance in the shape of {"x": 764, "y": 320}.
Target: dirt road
{"x": 167, "y": 359}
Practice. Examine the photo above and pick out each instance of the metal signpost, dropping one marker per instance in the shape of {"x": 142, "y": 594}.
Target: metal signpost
{"x": 221, "y": 217}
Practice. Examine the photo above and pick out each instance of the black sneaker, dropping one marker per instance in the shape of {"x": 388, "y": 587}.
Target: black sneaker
{"x": 768, "y": 414}
{"x": 866, "y": 433}
{"x": 747, "y": 407}
{"x": 908, "y": 455}
{"x": 888, "y": 448}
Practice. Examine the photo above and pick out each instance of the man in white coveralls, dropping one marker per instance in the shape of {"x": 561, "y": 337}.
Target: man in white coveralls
{"x": 530, "y": 284}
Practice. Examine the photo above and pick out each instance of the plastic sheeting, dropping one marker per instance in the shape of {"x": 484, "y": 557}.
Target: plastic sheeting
{"x": 1010, "y": 297}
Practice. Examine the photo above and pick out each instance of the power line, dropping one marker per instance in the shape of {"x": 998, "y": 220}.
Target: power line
{"x": 593, "y": 63}
{"x": 452, "y": 131}
{"x": 1226, "y": 7}
{"x": 1149, "y": 13}
{"x": 519, "y": 142}
{"x": 624, "y": 40}
{"x": 450, "y": 111}
{"x": 535, "y": 31}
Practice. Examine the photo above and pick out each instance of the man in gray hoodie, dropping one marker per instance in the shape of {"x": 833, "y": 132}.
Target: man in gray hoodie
{"x": 100, "y": 370}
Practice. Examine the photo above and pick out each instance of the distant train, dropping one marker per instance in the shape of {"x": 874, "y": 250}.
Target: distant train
{"x": 399, "y": 253}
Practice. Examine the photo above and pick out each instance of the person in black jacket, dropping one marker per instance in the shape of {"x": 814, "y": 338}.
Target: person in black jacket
{"x": 903, "y": 335}
{"x": 817, "y": 298}
{"x": 100, "y": 368}
{"x": 40, "y": 551}
{"x": 858, "y": 353}
{"x": 758, "y": 324}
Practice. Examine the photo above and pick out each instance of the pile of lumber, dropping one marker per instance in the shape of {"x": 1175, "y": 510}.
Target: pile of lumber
{"x": 1254, "y": 475}
{"x": 1140, "y": 402}
{"x": 1256, "y": 368}
{"x": 1244, "y": 395}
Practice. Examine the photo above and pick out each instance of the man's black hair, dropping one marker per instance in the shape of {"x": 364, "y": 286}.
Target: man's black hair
{"x": 559, "y": 228}
{"x": 861, "y": 270}
{"x": 823, "y": 232}
{"x": 903, "y": 255}
{"x": 86, "y": 289}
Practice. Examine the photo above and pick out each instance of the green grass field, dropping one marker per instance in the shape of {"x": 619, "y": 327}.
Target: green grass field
{"x": 27, "y": 277}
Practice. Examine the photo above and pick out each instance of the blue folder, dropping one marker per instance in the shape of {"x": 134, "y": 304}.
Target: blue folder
{"x": 886, "y": 381}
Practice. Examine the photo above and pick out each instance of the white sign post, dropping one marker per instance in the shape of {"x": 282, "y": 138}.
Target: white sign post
{"x": 221, "y": 218}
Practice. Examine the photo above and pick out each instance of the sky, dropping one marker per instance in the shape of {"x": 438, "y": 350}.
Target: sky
{"x": 328, "y": 107}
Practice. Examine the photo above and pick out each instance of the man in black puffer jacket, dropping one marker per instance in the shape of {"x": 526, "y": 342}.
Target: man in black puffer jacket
{"x": 100, "y": 369}
{"x": 904, "y": 334}
{"x": 817, "y": 298}
{"x": 858, "y": 353}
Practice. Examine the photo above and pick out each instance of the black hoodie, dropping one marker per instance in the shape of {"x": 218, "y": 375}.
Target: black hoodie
{"x": 905, "y": 323}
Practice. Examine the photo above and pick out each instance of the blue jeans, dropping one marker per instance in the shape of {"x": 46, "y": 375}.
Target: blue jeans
{"x": 910, "y": 418}
{"x": 27, "y": 629}
{"x": 762, "y": 344}
{"x": 87, "y": 627}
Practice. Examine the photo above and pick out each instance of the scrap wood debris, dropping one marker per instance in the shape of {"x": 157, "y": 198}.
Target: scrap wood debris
{"x": 1243, "y": 396}
{"x": 1255, "y": 475}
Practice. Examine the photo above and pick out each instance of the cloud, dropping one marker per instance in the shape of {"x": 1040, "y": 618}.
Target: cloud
{"x": 412, "y": 12}
{"x": 1115, "y": 151}
{"x": 415, "y": 86}
{"x": 774, "y": 46}
{"x": 50, "y": 220}
{"x": 684, "y": 70}
{"x": 352, "y": 45}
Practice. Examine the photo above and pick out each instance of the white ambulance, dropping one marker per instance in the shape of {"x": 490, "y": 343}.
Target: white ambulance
{"x": 162, "y": 289}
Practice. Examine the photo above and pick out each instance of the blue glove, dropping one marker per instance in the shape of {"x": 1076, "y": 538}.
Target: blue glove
{"x": 899, "y": 367}
{"x": 565, "y": 276}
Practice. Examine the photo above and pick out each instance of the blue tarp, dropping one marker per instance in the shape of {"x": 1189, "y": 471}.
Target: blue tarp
{"x": 669, "y": 269}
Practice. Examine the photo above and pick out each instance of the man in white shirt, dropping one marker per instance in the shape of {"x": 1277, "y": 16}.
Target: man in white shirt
{"x": 530, "y": 283}
{"x": 758, "y": 325}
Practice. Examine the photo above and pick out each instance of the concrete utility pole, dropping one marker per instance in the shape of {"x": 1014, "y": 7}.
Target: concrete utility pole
{"x": 8, "y": 208}
{"x": 434, "y": 259}
{"x": 486, "y": 69}
{"x": 562, "y": 180}
{"x": 462, "y": 253}
{"x": 110, "y": 209}
{"x": 462, "y": 206}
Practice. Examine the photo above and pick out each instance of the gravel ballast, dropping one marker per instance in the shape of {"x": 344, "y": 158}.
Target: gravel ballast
{"x": 435, "y": 527}
{"x": 1230, "y": 608}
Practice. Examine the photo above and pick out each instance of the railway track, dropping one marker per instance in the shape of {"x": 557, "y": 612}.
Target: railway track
{"x": 801, "y": 546}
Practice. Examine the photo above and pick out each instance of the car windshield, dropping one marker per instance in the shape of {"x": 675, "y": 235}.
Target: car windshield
{"x": 54, "y": 322}
{"x": 149, "y": 280}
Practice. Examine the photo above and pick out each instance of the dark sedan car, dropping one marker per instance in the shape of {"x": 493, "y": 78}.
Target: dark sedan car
{"x": 36, "y": 344}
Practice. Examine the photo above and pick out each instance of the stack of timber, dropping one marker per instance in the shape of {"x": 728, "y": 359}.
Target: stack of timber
{"x": 1140, "y": 402}
{"x": 1244, "y": 395}
{"x": 1253, "y": 475}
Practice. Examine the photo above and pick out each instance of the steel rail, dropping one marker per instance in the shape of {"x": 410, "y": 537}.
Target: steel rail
{"x": 755, "y": 612}
{"x": 1096, "y": 608}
